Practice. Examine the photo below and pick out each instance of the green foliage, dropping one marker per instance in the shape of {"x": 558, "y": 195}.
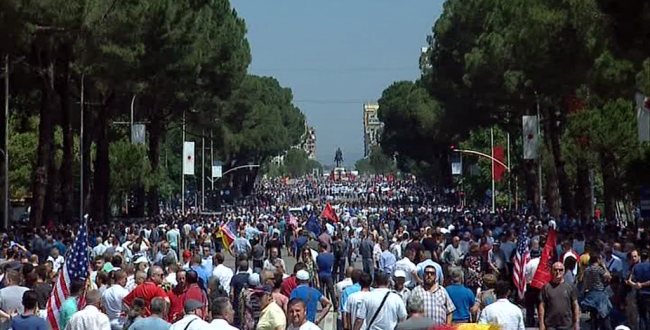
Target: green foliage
{"x": 377, "y": 163}
{"x": 130, "y": 167}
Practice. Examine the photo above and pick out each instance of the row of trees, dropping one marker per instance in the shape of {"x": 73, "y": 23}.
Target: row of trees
{"x": 294, "y": 164}
{"x": 576, "y": 63}
{"x": 376, "y": 163}
{"x": 178, "y": 58}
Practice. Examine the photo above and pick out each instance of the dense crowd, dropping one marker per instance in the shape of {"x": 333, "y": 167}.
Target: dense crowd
{"x": 396, "y": 256}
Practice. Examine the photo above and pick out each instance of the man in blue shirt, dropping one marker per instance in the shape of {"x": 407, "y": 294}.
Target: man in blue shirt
{"x": 641, "y": 281}
{"x": 29, "y": 320}
{"x": 462, "y": 297}
{"x": 355, "y": 287}
{"x": 325, "y": 261}
{"x": 311, "y": 297}
{"x": 203, "y": 275}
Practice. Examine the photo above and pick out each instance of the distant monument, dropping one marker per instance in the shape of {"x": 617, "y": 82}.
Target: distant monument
{"x": 338, "y": 157}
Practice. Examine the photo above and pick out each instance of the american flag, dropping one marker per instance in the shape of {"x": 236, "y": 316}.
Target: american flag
{"x": 521, "y": 259}
{"x": 75, "y": 267}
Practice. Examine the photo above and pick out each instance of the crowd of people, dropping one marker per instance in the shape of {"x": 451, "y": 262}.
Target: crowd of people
{"x": 396, "y": 256}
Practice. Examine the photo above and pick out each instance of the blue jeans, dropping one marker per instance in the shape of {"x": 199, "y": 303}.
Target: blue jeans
{"x": 338, "y": 268}
{"x": 367, "y": 266}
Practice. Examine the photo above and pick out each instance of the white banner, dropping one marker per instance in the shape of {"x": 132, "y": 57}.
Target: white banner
{"x": 643, "y": 118}
{"x": 138, "y": 134}
{"x": 456, "y": 164}
{"x": 216, "y": 170}
{"x": 531, "y": 137}
{"x": 188, "y": 158}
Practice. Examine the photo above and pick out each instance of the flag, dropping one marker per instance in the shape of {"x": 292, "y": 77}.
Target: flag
{"x": 75, "y": 267}
{"x": 522, "y": 257}
{"x": 313, "y": 225}
{"x": 530, "y": 124}
{"x": 543, "y": 272}
{"x": 456, "y": 164}
{"x": 498, "y": 154}
{"x": 188, "y": 158}
{"x": 227, "y": 233}
{"x": 329, "y": 213}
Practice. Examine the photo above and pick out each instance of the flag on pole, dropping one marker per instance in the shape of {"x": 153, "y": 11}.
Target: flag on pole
{"x": 188, "y": 158}
{"x": 329, "y": 213}
{"x": 499, "y": 155}
{"x": 313, "y": 225}
{"x": 543, "y": 272}
{"x": 75, "y": 267}
{"x": 530, "y": 129}
{"x": 522, "y": 257}
{"x": 227, "y": 233}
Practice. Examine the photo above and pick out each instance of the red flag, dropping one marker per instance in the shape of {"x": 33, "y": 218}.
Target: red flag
{"x": 543, "y": 272}
{"x": 328, "y": 213}
{"x": 497, "y": 174}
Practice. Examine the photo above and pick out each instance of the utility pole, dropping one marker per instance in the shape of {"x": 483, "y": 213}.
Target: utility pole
{"x": 183, "y": 170}
{"x": 492, "y": 174}
{"x": 509, "y": 175}
{"x": 6, "y": 195}
{"x": 81, "y": 150}
{"x": 203, "y": 169}
{"x": 539, "y": 158}
{"x": 211, "y": 161}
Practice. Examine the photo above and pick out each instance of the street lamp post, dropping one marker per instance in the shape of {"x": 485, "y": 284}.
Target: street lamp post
{"x": 6, "y": 194}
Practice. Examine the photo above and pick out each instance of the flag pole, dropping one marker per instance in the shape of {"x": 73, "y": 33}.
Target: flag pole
{"x": 183, "y": 170}
{"x": 6, "y": 169}
{"x": 509, "y": 175}
{"x": 492, "y": 146}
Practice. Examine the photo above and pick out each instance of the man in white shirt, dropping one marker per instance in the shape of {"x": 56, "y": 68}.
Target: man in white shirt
{"x": 222, "y": 314}
{"x": 503, "y": 313}
{"x": 354, "y": 301}
{"x": 223, "y": 273}
{"x": 531, "y": 297}
{"x": 407, "y": 265}
{"x": 56, "y": 258}
{"x": 373, "y": 314}
{"x": 191, "y": 321}
{"x": 112, "y": 297}
{"x": 90, "y": 317}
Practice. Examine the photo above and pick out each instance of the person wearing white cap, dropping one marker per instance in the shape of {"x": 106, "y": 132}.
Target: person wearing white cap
{"x": 398, "y": 279}
{"x": 311, "y": 297}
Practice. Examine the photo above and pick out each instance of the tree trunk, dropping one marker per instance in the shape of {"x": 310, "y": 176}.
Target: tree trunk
{"x": 155, "y": 131}
{"x": 52, "y": 206}
{"x": 564, "y": 188}
{"x": 67, "y": 177}
{"x": 45, "y": 140}
{"x": 583, "y": 196}
{"x": 101, "y": 189}
{"x": 607, "y": 164}
{"x": 552, "y": 196}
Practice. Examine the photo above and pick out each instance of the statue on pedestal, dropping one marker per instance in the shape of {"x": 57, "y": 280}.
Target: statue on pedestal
{"x": 338, "y": 157}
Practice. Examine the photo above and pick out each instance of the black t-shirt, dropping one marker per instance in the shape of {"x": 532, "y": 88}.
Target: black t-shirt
{"x": 558, "y": 304}
{"x": 430, "y": 245}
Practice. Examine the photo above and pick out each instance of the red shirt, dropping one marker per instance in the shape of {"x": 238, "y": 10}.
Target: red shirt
{"x": 194, "y": 292}
{"x": 147, "y": 291}
{"x": 288, "y": 285}
{"x": 177, "y": 300}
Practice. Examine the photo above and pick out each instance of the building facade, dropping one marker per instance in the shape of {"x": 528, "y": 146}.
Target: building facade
{"x": 309, "y": 142}
{"x": 372, "y": 127}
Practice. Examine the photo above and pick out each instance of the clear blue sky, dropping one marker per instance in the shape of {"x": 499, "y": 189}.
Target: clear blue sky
{"x": 335, "y": 55}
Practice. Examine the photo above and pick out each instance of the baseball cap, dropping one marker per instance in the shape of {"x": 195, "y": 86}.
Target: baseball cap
{"x": 192, "y": 305}
{"x": 141, "y": 260}
{"x": 399, "y": 273}
{"x": 264, "y": 289}
{"x": 187, "y": 254}
{"x": 302, "y": 275}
